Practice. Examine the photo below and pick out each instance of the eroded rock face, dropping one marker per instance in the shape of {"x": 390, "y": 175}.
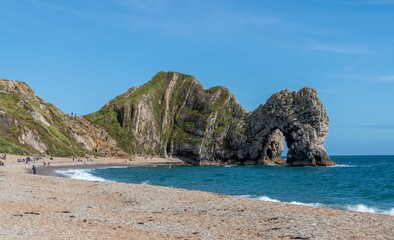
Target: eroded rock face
{"x": 302, "y": 119}
{"x": 15, "y": 87}
{"x": 273, "y": 149}
{"x": 173, "y": 115}
{"x": 5, "y": 122}
{"x": 32, "y": 138}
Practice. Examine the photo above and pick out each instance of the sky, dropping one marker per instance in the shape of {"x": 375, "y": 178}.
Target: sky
{"x": 79, "y": 55}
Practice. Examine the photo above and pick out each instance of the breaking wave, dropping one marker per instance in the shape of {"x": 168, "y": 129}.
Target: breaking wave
{"x": 355, "y": 208}
{"x": 364, "y": 208}
{"x": 82, "y": 174}
{"x": 342, "y": 166}
{"x": 268, "y": 199}
{"x": 145, "y": 183}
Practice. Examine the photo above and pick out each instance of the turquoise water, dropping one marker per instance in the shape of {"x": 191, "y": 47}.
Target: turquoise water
{"x": 359, "y": 183}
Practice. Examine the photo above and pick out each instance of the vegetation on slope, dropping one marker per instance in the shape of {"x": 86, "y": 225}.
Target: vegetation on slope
{"x": 30, "y": 125}
{"x": 184, "y": 119}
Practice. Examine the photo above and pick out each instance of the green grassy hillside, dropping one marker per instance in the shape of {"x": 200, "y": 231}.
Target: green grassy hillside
{"x": 180, "y": 114}
{"x": 30, "y": 125}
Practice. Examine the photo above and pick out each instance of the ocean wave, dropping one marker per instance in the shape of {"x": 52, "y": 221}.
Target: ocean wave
{"x": 364, "y": 208}
{"x": 389, "y": 212}
{"x": 262, "y": 198}
{"x": 316, "y": 205}
{"x": 342, "y": 166}
{"x": 268, "y": 199}
{"x": 361, "y": 208}
{"x": 82, "y": 174}
{"x": 145, "y": 183}
{"x": 355, "y": 208}
{"x": 115, "y": 167}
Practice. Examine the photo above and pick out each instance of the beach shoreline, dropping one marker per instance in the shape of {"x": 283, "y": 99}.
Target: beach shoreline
{"x": 44, "y": 206}
{"x": 53, "y": 170}
{"x": 104, "y": 163}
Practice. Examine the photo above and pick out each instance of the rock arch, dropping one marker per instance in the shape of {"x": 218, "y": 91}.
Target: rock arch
{"x": 302, "y": 119}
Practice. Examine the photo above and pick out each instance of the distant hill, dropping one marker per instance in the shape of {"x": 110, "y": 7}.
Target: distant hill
{"x": 29, "y": 125}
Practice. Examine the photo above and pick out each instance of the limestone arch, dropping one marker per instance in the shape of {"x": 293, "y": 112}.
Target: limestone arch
{"x": 302, "y": 120}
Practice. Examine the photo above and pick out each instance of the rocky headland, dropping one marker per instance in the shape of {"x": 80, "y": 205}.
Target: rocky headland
{"x": 172, "y": 115}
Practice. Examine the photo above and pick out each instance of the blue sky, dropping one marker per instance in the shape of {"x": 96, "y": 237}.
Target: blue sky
{"x": 80, "y": 54}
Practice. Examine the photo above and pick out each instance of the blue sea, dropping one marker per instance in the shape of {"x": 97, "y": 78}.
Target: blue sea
{"x": 357, "y": 183}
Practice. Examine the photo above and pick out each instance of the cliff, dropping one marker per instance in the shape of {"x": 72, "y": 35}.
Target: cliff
{"x": 173, "y": 115}
{"x": 29, "y": 125}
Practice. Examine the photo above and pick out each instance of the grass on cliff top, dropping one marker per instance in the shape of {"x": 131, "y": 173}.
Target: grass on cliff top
{"x": 156, "y": 86}
{"x": 8, "y": 103}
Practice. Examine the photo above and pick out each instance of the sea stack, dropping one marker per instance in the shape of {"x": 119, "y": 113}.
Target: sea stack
{"x": 174, "y": 116}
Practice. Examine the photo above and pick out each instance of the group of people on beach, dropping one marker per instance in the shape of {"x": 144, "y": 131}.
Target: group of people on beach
{"x": 27, "y": 160}
{"x": 87, "y": 159}
{"x": 126, "y": 162}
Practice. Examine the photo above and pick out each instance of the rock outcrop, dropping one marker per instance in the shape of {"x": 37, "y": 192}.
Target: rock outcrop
{"x": 173, "y": 115}
{"x": 30, "y": 125}
{"x": 300, "y": 117}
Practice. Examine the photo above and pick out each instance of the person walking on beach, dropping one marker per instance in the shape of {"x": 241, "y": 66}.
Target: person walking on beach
{"x": 34, "y": 169}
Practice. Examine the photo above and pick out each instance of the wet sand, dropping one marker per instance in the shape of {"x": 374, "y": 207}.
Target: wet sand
{"x": 49, "y": 207}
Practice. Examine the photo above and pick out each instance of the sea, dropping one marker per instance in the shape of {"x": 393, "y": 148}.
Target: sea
{"x": 356, "y": 183}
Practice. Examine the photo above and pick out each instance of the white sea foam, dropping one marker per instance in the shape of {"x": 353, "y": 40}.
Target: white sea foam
{"x": 307, "y": 204}
{"x": 82, "y": 174}
{"x": 342, "y": 166}
{"x": 145, "y": 183}
{"x": 356, "y": 208}
{"x": 361, "y": 208}
{"x": 267, "y": 199}
{"x": 245, "y": 196}
{"x": 364, "y": 208}
{"x": 114, "y": 167}
{"x": 262, "y": 198}
{"x": 389, "y": 212}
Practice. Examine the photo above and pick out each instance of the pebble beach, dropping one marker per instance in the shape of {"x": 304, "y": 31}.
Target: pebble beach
{"x": 45, "y": 206}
